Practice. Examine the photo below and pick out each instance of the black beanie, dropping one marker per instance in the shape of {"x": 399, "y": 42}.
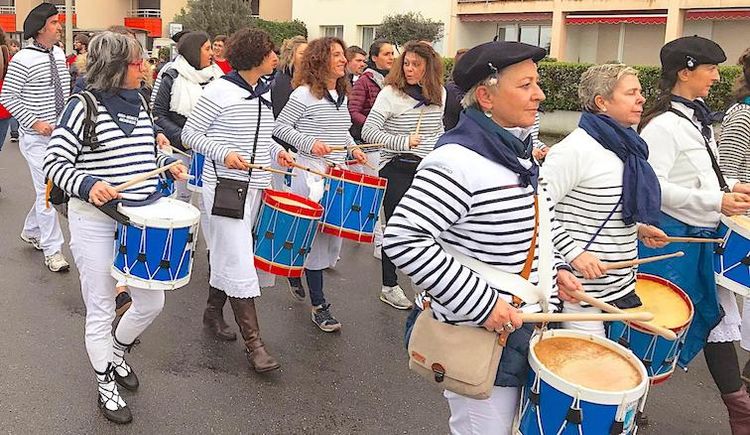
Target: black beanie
{"x": 190, "y": 47}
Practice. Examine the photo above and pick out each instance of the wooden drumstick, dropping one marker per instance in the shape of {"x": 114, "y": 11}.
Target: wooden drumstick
{"x": 179, "y": 151}
{"x": 584, "y": 317}
{"x": 269, "y": 169}
{"x": 594, "y": 302}
{"x": 312, "y": 171}
{"x": 337, "y": 147}
{"x": 146, "y": 176}
{"x": 631, "y": 263}
{"x": 368, "y": 145}
{"x": 419, "y": 122}
{"x": 693, "y": 240}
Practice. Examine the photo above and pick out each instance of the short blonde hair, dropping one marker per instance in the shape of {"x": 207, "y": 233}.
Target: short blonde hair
{"x": 601, "y": 80}
{"x": 470, "y": 98}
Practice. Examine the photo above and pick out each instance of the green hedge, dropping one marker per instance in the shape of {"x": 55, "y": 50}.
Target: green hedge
{"x": 559, "y": 80}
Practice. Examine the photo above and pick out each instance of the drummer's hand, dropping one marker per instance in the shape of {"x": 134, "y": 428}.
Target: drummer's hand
{"x": 540, "y": 153}
{"x": 320, "y": 149}
{"x": 589, "y": 266}
{"x": 285, "y": 160}
{"x": 163, "y": 142}
{"x": 501, "y": 314}
{"x": 735, "y": 203}
{"x": 179, "y": 172}
{"x": 235, "y": 161}
{"x": 652, "y": 236}
{"x": 102, "y": 193}
{"x": 567, "y": 282}
{"x": 414, "y": 140}
{"x": 360, "y": 156}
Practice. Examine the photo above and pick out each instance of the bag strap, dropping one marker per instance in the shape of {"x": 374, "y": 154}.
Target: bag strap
{"x": 601, "y": 227}
{"x": 526, "y": 271}
{"x": 255, "y": 144}
{"x": 707, "y": 140}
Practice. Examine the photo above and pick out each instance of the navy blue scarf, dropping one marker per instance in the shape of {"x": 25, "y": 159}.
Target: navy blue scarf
{"x": 702, "y": 112}
{"x": 746, "y": 101}
{"x": 123, "y": 105}
{"x": 338, "y": 102}
{"x": 641, "y": 193}
{"x": 260, "y": 89}
{"x": 415, "y": 91}
{"x": 482, "y": 135}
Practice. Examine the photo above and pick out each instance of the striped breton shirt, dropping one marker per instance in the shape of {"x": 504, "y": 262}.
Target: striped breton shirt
{"x": 75, "y": 167}
{"x": 584, "y": 180}
{"x": 223, "y": 121}
{"x": 478, "y": 207}
{"x": 394, "y": 117}
{"x": 28, "y": 92}
{"x": 306, "y": 118}
{"x": 734, "y": 143}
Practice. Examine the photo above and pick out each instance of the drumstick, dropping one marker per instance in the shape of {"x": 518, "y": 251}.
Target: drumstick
{"x": 312, "y": 171}
{"x": 270, "y": 169}
{"x": 146, "y": 176}
{"x": 631, "y": 263}
{"x": 179, "y": 151}
{"x": 694, "y": 240}
{"x": 584, "y": 317}
{"x": 368, "y": 145}
{"x": 419, "y": 122}
{"x": 337, "y": 147}
{"x": 594, "y": 302}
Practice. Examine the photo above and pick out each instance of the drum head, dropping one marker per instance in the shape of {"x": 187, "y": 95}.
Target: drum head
{"x": 164, "y": 213}
{"x": 671, "y": 307}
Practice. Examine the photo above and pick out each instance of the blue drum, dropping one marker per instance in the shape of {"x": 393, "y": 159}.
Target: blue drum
{"x": 732, "y": 258}
{"x": 195, "y": 184}
{"x": 155, "y": 251}
{"x": 673, "y": 310}
{"x": 351, "y": 204}
{"x": 284, "y": 232}
{"x": 581, "y": 384}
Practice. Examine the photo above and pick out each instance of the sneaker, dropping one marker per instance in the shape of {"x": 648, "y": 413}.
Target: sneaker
{"x": 56, "y": 262}
{"x": 13, "y": 139}
{"x": 378, "y": 252}
{"x": 31, "y": 240}
{"x": 297, "y": 289}
{"x": 394, "y": 296}
{"x": 322, "y": 318}
{"x": 123, "y": 301}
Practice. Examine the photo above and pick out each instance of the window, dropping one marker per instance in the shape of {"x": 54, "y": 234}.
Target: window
{"x": 337, "y": 31}
{"x": 541, "y": 36}
{"x": 368, "y": 36}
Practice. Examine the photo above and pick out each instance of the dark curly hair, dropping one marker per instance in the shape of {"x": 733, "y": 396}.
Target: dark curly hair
{"x": 247, "y": 48}
{"x": 315, "y": 69}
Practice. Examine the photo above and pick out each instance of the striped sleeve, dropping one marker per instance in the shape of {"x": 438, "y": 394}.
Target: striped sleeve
{"x": 734, "y": 148}
{"x": 198, "y": 123}
{"x": 435, "y": 201}
{"x": 13, "y": 88}
{"x": 374, "y": 131}
{"x": 287, "y": 120}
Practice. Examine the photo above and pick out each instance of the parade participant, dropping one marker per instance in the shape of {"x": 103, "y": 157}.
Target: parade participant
{"x": 734, "y": 158}
{"x": 454, "y": 96}
{"x": 13, "y": 47}
{"x": 5, "y": 118}
{"x": 407, "y": 118}
{"x": 164, "y": 65}
{"x": 231, "y": 125}
{"x": 477, "y": 194}
{"x": 316, "y": 118}
{"x": 292, "y": 51}
{"x": 603, "y": 188}
{"x": 80, "y": 46}
{"x": 88, "y": 176}
{"x": 218, "y": 51}
{"x": 682, "y": 152}
{"x": 356, "y": 63}
{"x": 181, "y": 86}
{"x": 34, "y": 91}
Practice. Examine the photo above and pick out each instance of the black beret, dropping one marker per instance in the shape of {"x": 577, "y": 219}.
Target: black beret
{"x": 37, "y": 18}
{"x": 177, "y": 36}
{"x": 689, "y": 52}
{"x": 486, "y": 59}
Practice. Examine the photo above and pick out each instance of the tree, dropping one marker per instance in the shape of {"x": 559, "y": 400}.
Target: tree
{"x": 411, "y": 26}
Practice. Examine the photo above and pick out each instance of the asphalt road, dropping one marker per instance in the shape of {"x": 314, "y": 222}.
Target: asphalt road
{"x": 353, "y": 382}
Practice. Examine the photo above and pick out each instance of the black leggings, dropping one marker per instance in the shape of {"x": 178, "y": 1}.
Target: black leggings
{"x": 399, "y": 172}
{"x": 722, "y": 362}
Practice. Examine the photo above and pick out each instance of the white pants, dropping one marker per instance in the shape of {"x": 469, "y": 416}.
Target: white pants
{"x": 92, "y": 243}
{"x": 593, "y": 328}
{"x": 481, "y": 417}
{"x": 231, "y": 245}
{"x": 729, "y": 327}
{"x": 41, "y": 222}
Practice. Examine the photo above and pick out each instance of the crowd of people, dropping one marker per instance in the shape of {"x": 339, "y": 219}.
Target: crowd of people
{"x": 468, "y": 182}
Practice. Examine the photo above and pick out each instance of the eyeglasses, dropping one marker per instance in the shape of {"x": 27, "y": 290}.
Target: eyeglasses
{"x": 139, "y": 63}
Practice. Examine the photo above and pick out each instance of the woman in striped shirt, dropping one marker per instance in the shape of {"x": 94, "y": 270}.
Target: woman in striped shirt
{"x": 475, "y": 198}
{"x": 126, "y": 148}
{"x": 316, "y": 118}
{"x": 231, "y": 125}
{"x": 597, "y": 177}
{"x": 407, "y": 118}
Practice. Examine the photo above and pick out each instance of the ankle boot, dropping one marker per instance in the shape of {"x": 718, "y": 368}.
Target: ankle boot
{"x": 124, "y": 374}
{"x": 213, "y": 316}
{"x": 247, "y": 319}
{"x": 108, "y": 398}
{"x": 738, "y": 406}
{"x": 746, "y": 375}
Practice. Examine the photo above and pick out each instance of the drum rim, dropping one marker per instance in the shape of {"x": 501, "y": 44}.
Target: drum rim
{"x": 269, "y": 266}
{"x": 181, "y": 222}
{"x": 140, "y": 283}
{"x": 358, "y": 177}
{"x": 590, "y": 395}
{"x": 312, "y": 209}
{"x": 345, "y": 233}
{"x": 734, "y": 226}
{"x": 680, "y": 292}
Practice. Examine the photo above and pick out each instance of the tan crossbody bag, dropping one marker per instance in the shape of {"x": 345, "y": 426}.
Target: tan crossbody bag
{"x": 461, "y": 359}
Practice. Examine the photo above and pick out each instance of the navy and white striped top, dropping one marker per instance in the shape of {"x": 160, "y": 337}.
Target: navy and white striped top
{"x": 224, "y": 120}
{"x": 28, "y": 92}
{"x": 306, "y": 118}
{"x": 75, "y": 167}
{"x": 479, "y": 208}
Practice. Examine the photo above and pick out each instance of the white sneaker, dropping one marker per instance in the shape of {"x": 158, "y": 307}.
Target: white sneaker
{"x": 31, "y": 240}
{"x": 394, "y": 296}
{"x": 378, "y": 252}
{"x": 56, "y": 262}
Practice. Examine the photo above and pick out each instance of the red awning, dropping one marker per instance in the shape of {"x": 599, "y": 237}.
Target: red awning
{"x": 510, "y": 17}
{"x": 718, "y": 14}
{"x": 646, "y": 19}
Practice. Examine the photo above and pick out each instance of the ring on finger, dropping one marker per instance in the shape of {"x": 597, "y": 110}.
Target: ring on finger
{"x": 508, "y": 326}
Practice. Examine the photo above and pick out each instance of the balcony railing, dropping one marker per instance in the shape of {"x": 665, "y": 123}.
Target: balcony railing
{"x": 7, "y": 10}
{"x": 61, "y": 9}
{"x": 145, "y": 13}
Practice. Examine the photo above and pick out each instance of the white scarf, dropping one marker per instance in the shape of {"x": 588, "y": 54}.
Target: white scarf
{"x": 187, "y": 89}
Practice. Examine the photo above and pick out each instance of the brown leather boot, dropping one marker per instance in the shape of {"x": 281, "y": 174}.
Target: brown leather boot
{"x": 247, "y": 319}
{"x": 213, "y": 316}
{"x": 738, "y": 406}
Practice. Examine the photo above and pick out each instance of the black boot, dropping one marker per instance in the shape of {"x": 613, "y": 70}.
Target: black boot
{"x": 108, "y": 398}
{"x": 124, "y": 374}
{"x": 213, "y": 316}
{"x": 247, "y": 319}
